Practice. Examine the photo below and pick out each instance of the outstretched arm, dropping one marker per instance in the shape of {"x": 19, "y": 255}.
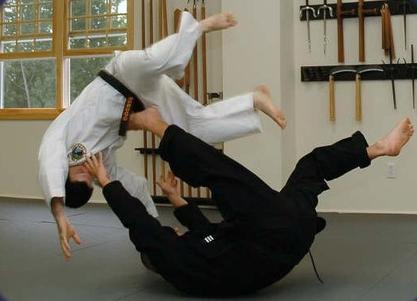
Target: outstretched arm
{"x": 65, "y": 230}
{"x": 53, "y": 168}
{"x": 131, "y": 212}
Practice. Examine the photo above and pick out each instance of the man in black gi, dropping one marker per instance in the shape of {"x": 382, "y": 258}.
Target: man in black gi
{"x": 265, "y": 233}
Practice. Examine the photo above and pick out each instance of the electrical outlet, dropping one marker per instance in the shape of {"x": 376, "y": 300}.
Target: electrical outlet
{"x": 391, "y": 171}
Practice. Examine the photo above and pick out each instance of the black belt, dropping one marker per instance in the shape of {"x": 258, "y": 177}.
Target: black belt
{"x": 132, "y": 104}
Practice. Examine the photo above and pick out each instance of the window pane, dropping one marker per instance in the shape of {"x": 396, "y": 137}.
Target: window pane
{"x": 45, "y": 10}
{"x": 77, "y": 43}
{"x": 27, "y": 28}
{"x": 25, "y": 46}
{"x": 9, "y": 29}
{"x": 99, "y": 7}
{"x": 43, "y": 45}
{"x": 10, "y": 14}
{"x": 99, "y": 23}
{"x": 29, "y": 84}
{"x": 9, "y": 47}
{"x": 98, "y": 42}
{"x": 83, "y": 71}
{"x": 119, "y": 22}
{"x": 118, "y": 7}
{"x": 27, "y": 12}
{"x": 45, "y": 27}
{"x": 95, "y": 23}
{"x": 24, "y": 23}
{"x": 117, "y": 40}
{"x": 78, "y": 24}
{"x": 78, "y": 8}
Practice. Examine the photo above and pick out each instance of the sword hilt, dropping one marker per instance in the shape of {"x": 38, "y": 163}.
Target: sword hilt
{"x": 326, "y": 8}
{"x": 306, "y": 10}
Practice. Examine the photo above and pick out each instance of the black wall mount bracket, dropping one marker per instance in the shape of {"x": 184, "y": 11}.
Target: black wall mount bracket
{"x": 396, "y": 7}
{"x": 391, "y": 71}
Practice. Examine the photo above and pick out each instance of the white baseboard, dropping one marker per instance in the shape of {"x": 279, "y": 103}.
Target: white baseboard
{"x": 347, "y": 211}
{"x": 36, "y": 198}
{"x": 338, "y": 211}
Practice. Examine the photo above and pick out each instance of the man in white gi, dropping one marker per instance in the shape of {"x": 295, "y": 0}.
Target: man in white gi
{"x": 91, "y": 124}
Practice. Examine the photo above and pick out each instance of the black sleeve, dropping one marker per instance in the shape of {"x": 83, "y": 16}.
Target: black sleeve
{"x": 191, "y": 216}
{"x": 128, "y": 209}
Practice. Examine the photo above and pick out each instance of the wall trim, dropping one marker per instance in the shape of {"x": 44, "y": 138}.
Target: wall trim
{"x": 337, "y": 211}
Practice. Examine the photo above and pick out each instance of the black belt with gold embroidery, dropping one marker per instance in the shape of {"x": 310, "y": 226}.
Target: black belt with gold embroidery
{"x": 132, "y": 104}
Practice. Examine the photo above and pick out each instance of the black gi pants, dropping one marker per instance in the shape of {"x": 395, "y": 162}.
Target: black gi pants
{"x": 272, "y": 230}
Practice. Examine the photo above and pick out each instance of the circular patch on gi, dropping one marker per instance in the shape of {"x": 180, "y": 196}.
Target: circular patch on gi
{"x": 78, "y": 153}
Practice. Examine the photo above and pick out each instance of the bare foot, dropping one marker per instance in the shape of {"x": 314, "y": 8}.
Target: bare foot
{"x": 141, "y": 120}
{"x": 392, "y": 144}
{"x": 218, "y": 22}
{"x": 263, "y": 102}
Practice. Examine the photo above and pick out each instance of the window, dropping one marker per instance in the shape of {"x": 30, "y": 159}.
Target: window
{"x": 46, "y": 59}
{"x": 97, "y": 24}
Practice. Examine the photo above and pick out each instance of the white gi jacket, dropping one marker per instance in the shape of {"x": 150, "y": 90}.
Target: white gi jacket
{"x": 91, "y": 123}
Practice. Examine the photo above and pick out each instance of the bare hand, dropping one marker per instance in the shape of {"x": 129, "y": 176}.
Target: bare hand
{"x": 65, "y": 230}
{"x": 169, "y": 184}
{"x": 178, "y": 231}
{"x": 66, "y": 233}
{"x": 95, "y": 166}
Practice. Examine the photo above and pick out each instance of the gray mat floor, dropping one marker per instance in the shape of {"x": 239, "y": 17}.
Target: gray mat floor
{"x": 360, "y": 257}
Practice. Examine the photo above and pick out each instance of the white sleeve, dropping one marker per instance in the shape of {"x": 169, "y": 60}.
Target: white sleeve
{"x": 169, "y": 56}
{"x": 53, "y": 163}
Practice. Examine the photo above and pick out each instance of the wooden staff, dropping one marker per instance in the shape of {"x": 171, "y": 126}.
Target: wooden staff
{"x": 332, "y": 89}
{"x": 163, "y": 22}
{"x": 361, "y": 15}
{"x": 153, "y": 138}
{"x": 195, "y": 59}
{"x": 204, "y": 50}
{"x": 387, "y": 33}
{"x": 358, "y": 101}
{"x": 203, "y": 16}
{"x": 181, "y": 83}
{"x": 145, "y": 134}
{"x": 143, "y": 25}
{"x": 340, "y": 13}
{"x": 151, "y": 22}
{"x": 163, "y": 32}
{"x": 196, "y": 81}
{"x": 358, "y": 98}
{"x": 165, "y": 18}
{"x": 340, "y": 36}
{"x": 332, "y": 99}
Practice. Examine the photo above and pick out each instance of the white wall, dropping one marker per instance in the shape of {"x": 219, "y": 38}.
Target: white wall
{"x": 367, "y": 190}
{"x": 251, "y": 56}
{"x": 20, "y": 142}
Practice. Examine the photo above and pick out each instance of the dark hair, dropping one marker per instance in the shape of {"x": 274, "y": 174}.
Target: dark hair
{"x": 77, "y": 194}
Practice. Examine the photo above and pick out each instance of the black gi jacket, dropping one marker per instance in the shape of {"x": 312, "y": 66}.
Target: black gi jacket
{"x": 265, "y": 232}
{"x": 211, "y": 259}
